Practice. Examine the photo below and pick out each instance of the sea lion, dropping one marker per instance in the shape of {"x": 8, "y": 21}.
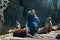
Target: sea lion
{"x": 49, "y": 26}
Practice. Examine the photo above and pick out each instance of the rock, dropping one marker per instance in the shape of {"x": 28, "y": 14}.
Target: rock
{"x": 58, "y": 36}
{"x": 17, "y": 38}
{"x": 13, "y": 13}
{"x": 55, "y": 27}
{"x": 49, "y": 36}
{"x": 38, "y": 5}
{"x": 42, "y": 31}
{"x": 58, "y": 27}
{"x": 42, "y": 7}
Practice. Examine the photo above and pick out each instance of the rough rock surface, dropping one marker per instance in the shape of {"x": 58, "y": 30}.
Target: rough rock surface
{"x": 48, "y": 36}
{"x": 44, "y": 30}
{"x": 43, "y": 9}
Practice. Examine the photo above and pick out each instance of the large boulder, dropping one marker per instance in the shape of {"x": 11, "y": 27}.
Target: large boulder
{"x": 13, "y": 13}
{"x": 44, "y": 9}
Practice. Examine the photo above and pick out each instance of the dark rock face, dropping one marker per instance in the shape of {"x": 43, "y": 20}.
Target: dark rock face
{"x": 44, "y": 9}
{"x": 58, "y": 36}
{"x": 13, "y": 13}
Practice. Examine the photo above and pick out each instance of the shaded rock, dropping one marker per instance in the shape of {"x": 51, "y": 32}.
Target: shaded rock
{"x": 13, "y": 12}
{"x": 43, "y": 8}
{"x": 58, "y": 27}
{"x": 16, "y": 38}
{"x": 42, "y": 30}
{"x": 45, "y": 30}
{"x": 58, "y": 36}
{"x": 50, "y": 36}
{"x": 55, "y": 27}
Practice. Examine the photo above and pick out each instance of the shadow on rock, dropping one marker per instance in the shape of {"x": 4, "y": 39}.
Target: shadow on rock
{"x": 58, "y": 36}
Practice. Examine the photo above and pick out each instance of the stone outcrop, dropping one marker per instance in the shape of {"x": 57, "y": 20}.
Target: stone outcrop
{"x": 13, "y": 13}
{"x": 49, "y": 36}
{"x": 44, "y": 9}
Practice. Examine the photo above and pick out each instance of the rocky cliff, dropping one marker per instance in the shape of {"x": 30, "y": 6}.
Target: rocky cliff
{"x": 18, "y": 10}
